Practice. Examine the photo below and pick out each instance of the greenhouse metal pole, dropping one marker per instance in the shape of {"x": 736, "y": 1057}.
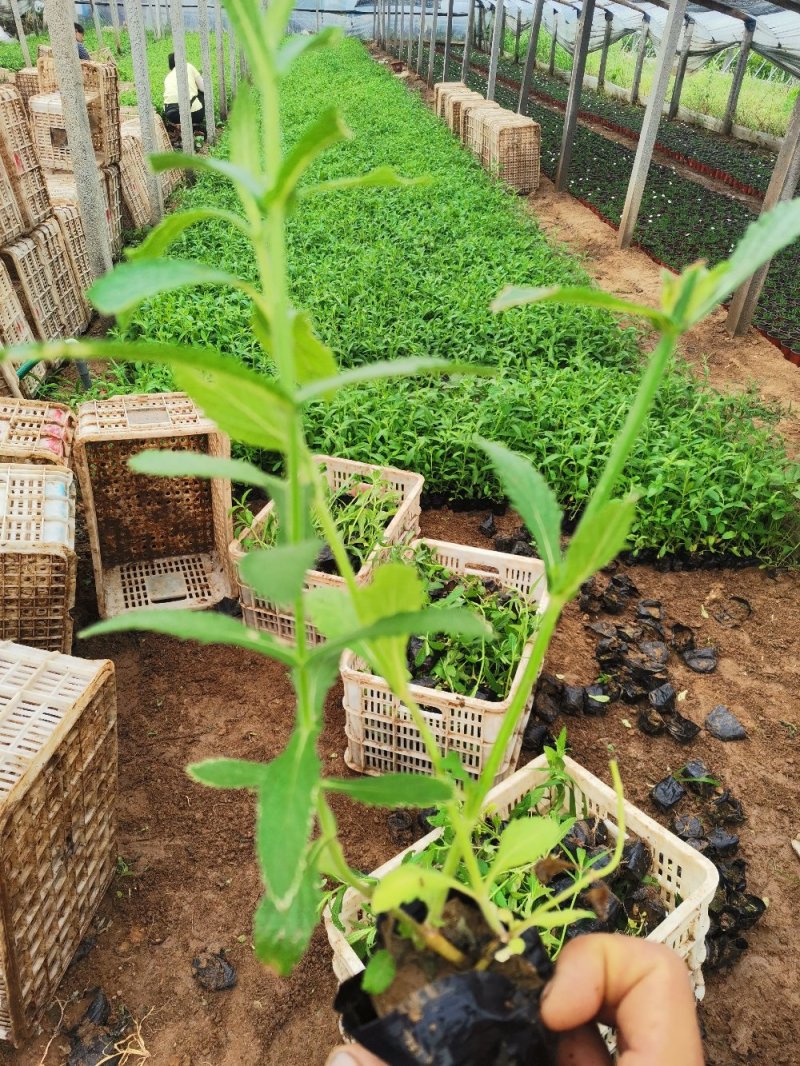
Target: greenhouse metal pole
{"x": 115, "y": 23}
{"x": 738, "y": 76}
{"x": 219, "y": 41}
{"x": 410, "y": 42}
{"x": 234, "y": 79}
{"x": 60, "y": 17}
{"x": 551, "y": 66}
{"x": 481, "y": 24}
{"x": 518, "y": 35}
{"x": 448, "y": 39}
{"x": 208, "y": 76}
{"x": 494, "y": 58}
{"x": 157, "y": 17}
{"x": 640, "y": 53}
{"x": 179, "y": 48}
{"x": 502, "y": 29}
{"x": 141, "y": 76}
{"x": 601, "y": 74}
{"x": 582, "y": 36}
{"x": 530, "y": 58}
{"x": 421, "y": 39}
{"x": 98, "y": 26}
{"x": 468, "y": 40}
{"x": 652, "y": 117}
{"x": 23, "y": 40}
{"x": 375, "y": 22}
{"x": 782, "y": 186}
{"x": 681, "y": 72}
{"x": 434, "y": 29}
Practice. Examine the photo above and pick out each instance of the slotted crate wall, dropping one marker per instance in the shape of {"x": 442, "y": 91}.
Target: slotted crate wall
{"x": 50, "y": 133}
{"x": 453, "y": 105}
{"x": 511, "y": 150}
{"x": 72, "y": 305}
{"x": 154, "y": 541}
{"x": 37, "y": 555}
{"x": 131, "y": 127}
{"x": 9, "y": 383}
{"x": 102, "y": 81}
{"x": 19, "y": 157}
{"x": 58, "y": 783}
{"x": 11, "y": 224}
{"x": 34, "y": 286}
{"x": 46, "y": 69}
{"x": 133, "y": 171}
{"x": 63, "y": 194}
{"x": 14, "y": 328}
{"x": 113, "y": 187}
{"x": 472, "y": 117}
{"x": 71, "y": 226}
{"x": 441, "y": 90}
{"x": 34, "y": 431}
{"x": 27, "y": 84}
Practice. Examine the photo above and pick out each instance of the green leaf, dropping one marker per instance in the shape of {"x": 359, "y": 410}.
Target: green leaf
{"x": 392, "y": 368}
{"x": 129, "y": 284}
{"x": 243, "y": 130}
{"x": 208, "y": 164}
{"x": 278, "y": 574}
{"x": 533, "y": 499}
{"x": 393, "y": 790}
{"x": 164, "y": 235}
{"x": 596, "y": 542}
{"x": 557, "y": 919}
{"x": 282, "y": 934}
{"x": 380, "y": 178}
{"x": 522, "y": 295}
{"x": 194, "y": 464}
{"x": 293, "y": 47}
{"x": 407, "y": 883}
{"x": 228, "y": 773}
{"x": 313, "y": 360}
{"x": 455, "y": 621}
{"x": 205, "y": 627}
{"x": 326, "y": 130}
{"x": 285, "y": 816}
{"x": 526, "y": 840}
{"x": 379, "y": 973}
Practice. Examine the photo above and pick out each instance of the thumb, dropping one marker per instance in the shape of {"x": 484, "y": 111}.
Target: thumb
{"x": 352, "y": 1055}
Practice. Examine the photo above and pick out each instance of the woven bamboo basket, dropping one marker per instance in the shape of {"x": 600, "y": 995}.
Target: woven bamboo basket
{"x": 58, "y": 785}
{"x": 512, "y": 149}
{"x": 37, "y": 555}
{"x": 102, "y": 79}
{"x": 272, "y": 618}
{"x": 50, "y": 134}
{"x": 155, "y": 542}
{"x": 72, "y": 305}
{"x": 472, "y": 116}
{"x": 113, "y": 187}
{"x": 71, "y": 226}
{"x": 35, "y": 431}
{"x": 381, "y": 736}
{"x": 452, "y": 108}
{"x": 46, "y": 69}
{"x": 31, "y": 275}
{"x": 11, "y": 224}
{"x": 133, "y": 171}
{"x": 27, "y": 84}
{"x": 19, "y": 158}
{"x": 441, "y": 90}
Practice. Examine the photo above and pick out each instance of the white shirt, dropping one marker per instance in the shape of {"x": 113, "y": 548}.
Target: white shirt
{"x": 195, "y": 86}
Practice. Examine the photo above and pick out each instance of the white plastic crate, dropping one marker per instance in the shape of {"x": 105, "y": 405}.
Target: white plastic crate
{"x": 381, "y": 735}
{"x": 681, "y": 872}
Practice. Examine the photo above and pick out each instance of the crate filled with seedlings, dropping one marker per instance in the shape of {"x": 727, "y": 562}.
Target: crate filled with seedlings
{"x": 35, "y": 431}
{"x": 660, "y": 891}
{"x": 374, "y": 507}
{"x": 58, "y": 783}
{"x": 155, "y": 542}
{"x": 463, "y": 690}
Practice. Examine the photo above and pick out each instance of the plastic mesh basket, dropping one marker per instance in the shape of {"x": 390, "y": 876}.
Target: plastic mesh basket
{"x": 132, "y": 127}
{"x": 102, "y": 80}
{"x": 511, "y": 150}
{"x": 58, "y": 783}
{"x": 452, "y": 108}
{"x": 19, "y": 158}
{"x": 381, "y": 736}
{"x": 686, "y": 879}
{"x": 269, "y": 617}
{"x": 50, "y": 133}
{"x": 472, "y": 116}
{"x": 133, "y": 171}
{"x": 34, "y": 431}
{"x": 62, "y": 192}
{"x": 72, "y": 305}
{"x": 113, "y": 186}
{"x": 11, "y": 224}
{"x": 155, "y": 542}
{"x": 441, "y": 90}
{"x": 14, "y": 328}
{"x": 9, "y": 383}
{"x": 46, "y": 68}
{"x": 37, "y": 556}
{"x": 34, "y": 285}
{"x": 27, "y": 84}
{"x": 71, "y": 226}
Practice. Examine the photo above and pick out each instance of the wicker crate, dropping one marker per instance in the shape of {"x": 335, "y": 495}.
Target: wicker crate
{"x": 113, "y": 187}
{"x": 132, "y": 127}
{"x": 452, "y": 108}
{"x": 102, "y": 80}
{"x": 58, "y": 784}
{"x": 441, "y": 90}
{"x": 46, "y": 69}
{"x": 512, "y": 149}
{"x": 63, "y": 194}
{"x": 686, "y": 879}
{"x": 71, "y": 226}
{"x": 19, "y": 158}
{"x": 50, "y": 132}
{"x": 133, "y": 171}
{"x": 27, "y": 84}
{"x": 269, "y": 617}
{"x": 37, "y": 555}
{"x": 34, "y": 285}
{"x": 472, "y": 116}
{"x": 72, "y": 305}
{"x": 381, "y": 736}
{"x": 35, "y": 432}
{"x": 155, "y": 542}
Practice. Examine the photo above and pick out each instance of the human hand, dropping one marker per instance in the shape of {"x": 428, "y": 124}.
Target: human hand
{"x": 642, "y": 989}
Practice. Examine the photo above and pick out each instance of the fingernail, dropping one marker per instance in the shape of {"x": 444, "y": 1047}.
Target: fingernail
{"x": 340, "y": 1057}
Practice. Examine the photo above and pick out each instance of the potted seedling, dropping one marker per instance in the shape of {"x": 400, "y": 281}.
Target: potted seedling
{"x": 477, "y": 948}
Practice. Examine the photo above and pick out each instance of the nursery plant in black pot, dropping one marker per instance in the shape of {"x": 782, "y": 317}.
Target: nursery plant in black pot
{"x": 448, "y": 935}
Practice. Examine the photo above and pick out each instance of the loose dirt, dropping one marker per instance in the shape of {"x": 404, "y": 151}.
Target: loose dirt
{"x": 187, "y": 880}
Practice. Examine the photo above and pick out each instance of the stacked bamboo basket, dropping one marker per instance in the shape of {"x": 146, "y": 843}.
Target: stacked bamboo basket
{"x": 508, "y": 145}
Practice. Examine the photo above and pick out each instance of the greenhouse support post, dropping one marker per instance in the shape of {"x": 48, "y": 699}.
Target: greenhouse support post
{"x": 219, "y": 41}
{"x": 434, "y": 29}
{"x": 60, "y": 15}
{"x": 157, "y": 13}
{"x": 374, "y": 21}
{"x": 421, "y": 39}
{"x": 530, "y": 58}
{"x": 782, "y": 186}
{"x": 681, "y": 72}
{"x": 410, "y": 42}
{"x": 601, "y": 74}
{"x": 208, "y": 74}
{"x": 179, "y": 48}
{"x": 502, "y": 29}
{"x": 448, "y": 39}
{"x": 494, "y": 58}
{"x": 738, "y": 76}
{"x": 582, "y": 36}
{"x": 517, "y": 35}
{"x": 652, "y": 117}
{"x": 232, "y": 62}
{"x": 98, "y": 26}
{"x": 468, "y": 37}
{"x": 115, "y": 23}
{"x": 551, "y": 66}
{"x": 644, "y": 33}
{"x": 481, "y": 26}
{"x": 147, "y": 123}
{"x": 316, "y": 20}
{"x": 23, "y": 40}
{"x": 401, "y": 40}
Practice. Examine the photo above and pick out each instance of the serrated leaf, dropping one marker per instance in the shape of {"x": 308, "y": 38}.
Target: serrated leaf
{"x": 164, "y": 235}
{"x": 228, "y": 773}
{"x": 407, "y": 883}
{"x": 167, "y": 463}
{"x": 379, "y": 973}
{"x": 281, "y": 935}
{"x": 278, "y": 574}
{"x": 533, "y": 499}
{"x": 526, "y": 840}
{"x": 380, "y": 178}
{"x": 393, "y": 790}
{"x": 596, "y": 542}
{"x": 521, "y": 295}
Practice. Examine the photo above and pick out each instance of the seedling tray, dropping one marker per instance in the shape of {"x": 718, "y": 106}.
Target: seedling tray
{"x": 11, "y": 224}
{"x": 155, "y": 542}
{"x": 381, "y": 735}
{"x": 37, "y": 555}
{"x": 72, "y": 305}
{"x": 133, "y": 171}
{"x": 686, "y": 879}
{"x": 35, "y": 432}
{"x": 19, "y": 158}
{"x": 268, "y": 617}
{"x": 58, "y": 783}
{"x": 71, "y": 226}
{"x": 34, "y": 285}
